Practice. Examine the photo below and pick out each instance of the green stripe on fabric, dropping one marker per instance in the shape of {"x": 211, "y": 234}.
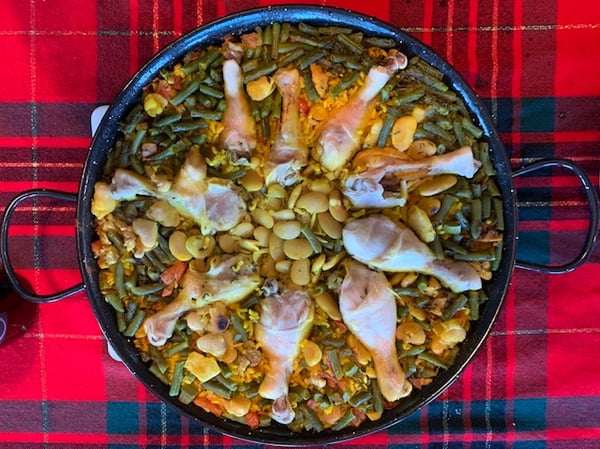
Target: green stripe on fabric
{"x": 122, "y": 418}
{"x": 537, "y": 115}
{"x": 534, "y": 246}
{"x": 529, "y": 445}
{"x": 162, "y": 419}
{"x": 529, "y": 414}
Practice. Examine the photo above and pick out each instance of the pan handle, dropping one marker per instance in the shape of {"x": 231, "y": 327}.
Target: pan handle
{"x": 592, "y": 232}
{"x": 11, "y": 276}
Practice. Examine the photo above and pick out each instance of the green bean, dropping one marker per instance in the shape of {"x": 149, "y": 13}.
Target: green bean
{"x": 237, "y": 324}
{"x": 276, "y": 39}
{"x": 486, "y": 205}
{"x": 332, "y": 30}
{"x": 315, "y": 244}
{"x": 425, "y": 78}
{"x": 157, "y": 372}
{"x": 135, "y": 323}
{"x": 347, "y": 81}
{"x": 432, "y": 359}
{"x": 250, "y": 65}
{"x": 437, "y": 247}
{"x": 188, "y": 125}
{"x": 386, "y": 128}
{"x": 276, "y": 108}
{"x": 344, "y": 421}
{"x": 312, "y": 421}
{"x": 486, "y": 163}
{"x": 133, "y": 118}
{"x": 351, "y": 62}
{"x": 492, "y": 188}
{"x": 167, "y": 119}
{"x": 476, "y": 256}
{"x": 285, "y": 32}
{"x": 177, "y": 378}
{"x": 187, "y": 393}
{"x": 147, "y": 289}
{"x": 380, "y": 42}
{"x": 262, "y": 70}
{"x": 438, "y": 131}
{"x": 499, "y": 212}
{"x": 121, "y": 322}
{"x": 406, "y": 291}
{"x": 119, "y": 276}
{"x": 267, "y": 36}
{"x": 447, "y": 204}
{"x": 476, "y": 220}
{"x": 116, "y": 240}
{"x": 334, "y": 360}
{"x": 113, "y": 299}
{"x": 217, "y": 388}
{"x": 290, "y": 57}
{"x": 249, "y": 302}
{"x": 309, "y": 87}
{"x": 308, "y": 29}
{"x": 359, "y": 398}
{"x": 335, "y": 342}
{"x": 135, "y": 143}
{"x": 184, "y": 93}
{"x": 211, "y": 91}
{"x": 227, "y": 383}
{"x": 409, "y": 96}
{"x": 168, "y": 152}
{"x": 453, "y": 247}
{"x": 473, "y": 305}
{"x": 251, "y": 391}
{"x": 302, "y": 39}
{"x": 412, "y": 352}
{"x": 471, "y": 128}
{"x": 208, "y": 58}
{"x": 455, "y": 305}
{"x": 350, "y": 44}
{"x": 377, "y": 397}
{"x": 310, "y": 57}
{"x": 163, "y": 255}
{"x": 497, "y": 255}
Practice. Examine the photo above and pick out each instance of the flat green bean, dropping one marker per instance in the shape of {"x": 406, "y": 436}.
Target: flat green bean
{"x": 184, "y": 93}
{"x": 350, "y": 44}
{"x": 386, "y": 129}
{"x": 457, "y": 304}
{"x": 344, "y": 421}
{"x": 135, "y": 323}
{"x": 175, "y": 388}
{"x": 347, "y": 81}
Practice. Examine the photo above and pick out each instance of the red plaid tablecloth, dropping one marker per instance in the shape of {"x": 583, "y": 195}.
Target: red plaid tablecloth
{"x": 536, "y": 63}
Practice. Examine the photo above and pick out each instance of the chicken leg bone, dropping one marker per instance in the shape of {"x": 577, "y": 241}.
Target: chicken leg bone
{"x": 389, "y": 246}
{"x": 289, "y": 152}
{"x": 239, "y": 129}
{"x": 338, "y": 137}
{"x": 229, "y": 279}
{"x": 214, "y": 204}
{"x": 285, "y": 320}
{"x": 365, "y": 188}
{"x": 368, "y": 308}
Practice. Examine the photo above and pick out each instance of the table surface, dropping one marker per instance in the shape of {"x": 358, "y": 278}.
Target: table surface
{"x": 534, "y": 383}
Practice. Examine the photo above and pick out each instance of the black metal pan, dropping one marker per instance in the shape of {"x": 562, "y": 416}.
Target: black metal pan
{"x": 213, "y": 33}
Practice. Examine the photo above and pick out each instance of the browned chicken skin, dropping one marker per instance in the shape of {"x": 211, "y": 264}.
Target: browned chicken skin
{"x": 229, "y": 279}
{"x": 368, "y": 308}
{"x": 339, "y": 136}
{"x": 285, "y": 320}
{"x": 289, "y": 153}
{"x": 393, "y": 247}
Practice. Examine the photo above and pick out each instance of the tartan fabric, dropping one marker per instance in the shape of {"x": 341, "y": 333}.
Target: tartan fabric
{"x": 534, "y": 384}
